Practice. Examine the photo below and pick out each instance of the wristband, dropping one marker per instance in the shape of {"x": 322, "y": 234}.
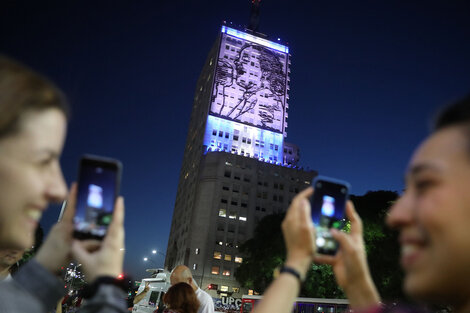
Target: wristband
{"x": 90, "y": 290}
{"x": 289, "y": 270}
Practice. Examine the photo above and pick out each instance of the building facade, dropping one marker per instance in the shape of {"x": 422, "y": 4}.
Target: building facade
{"x": 237, "y": 167}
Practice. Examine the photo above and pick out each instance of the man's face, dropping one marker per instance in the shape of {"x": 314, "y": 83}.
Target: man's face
{"x": 433, "y": 218}
{"x": 10, "y": 257}
{"x": 30, "y": 175}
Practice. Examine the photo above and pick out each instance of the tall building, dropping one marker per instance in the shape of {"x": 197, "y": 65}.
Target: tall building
{"x": 237, "y": 166}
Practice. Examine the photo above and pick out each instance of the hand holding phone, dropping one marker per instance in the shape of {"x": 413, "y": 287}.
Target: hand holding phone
{"x": 98, "y": 187}
{"x": 328, "y": 204}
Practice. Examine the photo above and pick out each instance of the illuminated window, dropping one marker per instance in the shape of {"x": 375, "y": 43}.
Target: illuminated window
{"x": 232, "y": 215}
{"x": 238, "y": 259}
{"x": 226, "y": 273}
{"x": 224, "y": 288}
{"x": 196, "y": 251}
{"x": 215, "y": 270}
{"x": 217, "y": 255}
{"x": 220, "y": 243}
{"x": 250, "y": 292}
{"x": 242, "y": 218}
{"x": 222, "y": 213}
{"x": 228, "y": 257}
{"x": 194, "y": 266}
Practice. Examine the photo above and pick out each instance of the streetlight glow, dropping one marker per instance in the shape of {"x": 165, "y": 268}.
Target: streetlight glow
{"x": 146, "y": 259}
{"x": 154, "y": 251}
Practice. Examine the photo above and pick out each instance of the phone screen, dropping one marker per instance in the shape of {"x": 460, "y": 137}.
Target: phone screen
{"x": 328, "y": 205}
{"x": 98, "y": 185}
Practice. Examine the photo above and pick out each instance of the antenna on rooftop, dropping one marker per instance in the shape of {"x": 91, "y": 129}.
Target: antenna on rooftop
{"x": 254, "y": 16}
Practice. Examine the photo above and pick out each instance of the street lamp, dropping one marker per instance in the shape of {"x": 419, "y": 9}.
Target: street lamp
{"x": 146, "y": 259}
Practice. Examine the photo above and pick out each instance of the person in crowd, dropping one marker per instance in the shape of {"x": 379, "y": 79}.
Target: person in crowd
{"x": 181, "y": 298}
{"x": 8, "y": 258}
{"x": 431, "y": 217}
{"x": 142, "y": 294}
{"x": 33, "y": 119}
{"x": 182, "y": 274}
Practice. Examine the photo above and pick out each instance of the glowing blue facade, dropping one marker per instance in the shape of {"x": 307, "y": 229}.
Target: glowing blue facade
{"x": 248, "y": 108}
{"x": 230, "y": 136}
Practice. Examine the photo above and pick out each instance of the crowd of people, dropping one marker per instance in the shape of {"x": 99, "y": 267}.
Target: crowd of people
{"x": 431, "y": 217}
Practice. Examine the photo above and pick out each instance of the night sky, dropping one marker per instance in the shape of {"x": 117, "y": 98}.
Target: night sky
{"x": 366, "y": 78}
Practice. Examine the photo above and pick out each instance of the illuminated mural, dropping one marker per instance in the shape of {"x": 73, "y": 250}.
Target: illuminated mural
{"x": 250, "y": 84}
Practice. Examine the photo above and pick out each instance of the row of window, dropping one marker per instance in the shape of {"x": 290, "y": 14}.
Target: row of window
{"x": 231, "y": 215}
{"x": 231, "y": 229}
{"x": 216, "y": 271}
{"x": 227, "y": 257}
{"x": 227, "y": 244}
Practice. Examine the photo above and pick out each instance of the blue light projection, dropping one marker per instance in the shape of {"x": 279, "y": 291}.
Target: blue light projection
{"x": 237, "y": 138}
{"x": 258, "y": 40}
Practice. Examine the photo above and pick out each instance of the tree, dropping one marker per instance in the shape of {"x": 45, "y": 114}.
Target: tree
{"x": 266, "y": 250}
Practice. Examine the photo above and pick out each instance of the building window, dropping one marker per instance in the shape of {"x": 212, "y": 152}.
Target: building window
{"x": 227, "y": 173}
{"x": 215, "y": 270}
{"x": 226, "y": 135}
{"x": 228, "y": 257}
{"x": 221, "y": 133}
{"x": 220, "y": 243}
{"x": 223, "y": 200}
{"x": 226, "y": 273}
{"x": 232, "y": 215}
{"x": 236, "y": 289}
{"x": 214, "y": 132}
{"x": 242, "y": 218}
{"x": 194, "y": 266}
{"x": 224, "y": 288}
{"x": 235, "y": 137}
{"x": 196, "y": 251}
{"x": 250, "y": 292}
{"x": 222, "y": 212}
{"x": 238, "y": 259}
{"x": 217, "y": 255}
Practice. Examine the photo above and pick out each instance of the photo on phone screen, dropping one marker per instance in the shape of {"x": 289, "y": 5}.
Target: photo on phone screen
{"x": 328, "y": 204}
{"x": 98, "y": 187}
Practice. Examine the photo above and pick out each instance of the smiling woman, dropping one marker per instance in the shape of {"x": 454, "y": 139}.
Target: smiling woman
{"x": 33, "y": 119}
{"x": 33, "y": 116}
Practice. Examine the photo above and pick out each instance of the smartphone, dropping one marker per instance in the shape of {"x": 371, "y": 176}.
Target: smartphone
{"x": 99, "y": 179}
{"x": 328, "y": 204}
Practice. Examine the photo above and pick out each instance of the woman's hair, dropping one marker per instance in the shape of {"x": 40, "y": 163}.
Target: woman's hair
{"x": 182, "y": 298}
{"x": 22, "y": 90}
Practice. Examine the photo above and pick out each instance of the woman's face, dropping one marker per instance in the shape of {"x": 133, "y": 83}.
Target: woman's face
{"x": 432, "y": 218}
{"x": 30, "y": 175}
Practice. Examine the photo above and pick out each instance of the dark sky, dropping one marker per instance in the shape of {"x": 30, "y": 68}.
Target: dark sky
{"x": 366, "y": 78}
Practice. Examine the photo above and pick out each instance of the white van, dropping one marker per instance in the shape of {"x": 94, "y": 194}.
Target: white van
{"x": 153, "y": 300}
